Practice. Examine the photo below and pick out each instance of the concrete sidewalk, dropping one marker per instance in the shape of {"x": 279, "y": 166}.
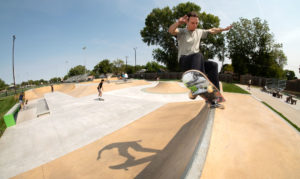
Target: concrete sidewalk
{"x": 292, "y": 112}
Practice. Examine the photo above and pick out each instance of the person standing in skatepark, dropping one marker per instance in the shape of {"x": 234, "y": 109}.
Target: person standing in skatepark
{"x": 249, "y": 84}
{"x": 100, "y": 88}
{"x": 189, "y": 54}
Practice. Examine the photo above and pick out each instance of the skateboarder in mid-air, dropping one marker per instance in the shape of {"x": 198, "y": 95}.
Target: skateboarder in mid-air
{"x": 100, "y": 88}
{"x": 189, "y": 54}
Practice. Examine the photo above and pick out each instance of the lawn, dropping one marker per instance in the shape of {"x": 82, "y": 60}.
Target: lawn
{"x": 232, "y": 88}
{"x": 281, "y": 115}
{"x": 5, "y": 104}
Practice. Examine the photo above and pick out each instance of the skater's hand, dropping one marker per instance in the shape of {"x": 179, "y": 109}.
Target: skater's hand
{"x": 219, "y": 30}
{"x": 183, "y": 20}
{"x": 173, "y": 28}
{"x": 227, "y": 28}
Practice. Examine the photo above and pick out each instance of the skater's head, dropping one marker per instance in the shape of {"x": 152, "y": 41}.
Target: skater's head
{"x": 193, "y": 21}
{"x": 102, "y": 81}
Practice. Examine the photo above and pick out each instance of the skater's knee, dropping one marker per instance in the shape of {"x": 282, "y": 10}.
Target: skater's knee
{"x": 214, "y": 65}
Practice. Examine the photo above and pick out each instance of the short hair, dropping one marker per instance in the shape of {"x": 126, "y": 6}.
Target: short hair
{"x": 192, "y": 14}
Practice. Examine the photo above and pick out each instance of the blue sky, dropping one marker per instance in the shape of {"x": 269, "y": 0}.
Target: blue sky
{"x": 50, "y": 34}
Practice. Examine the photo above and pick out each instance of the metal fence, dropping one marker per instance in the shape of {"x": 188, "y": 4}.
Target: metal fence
{"x": 271, "y": 83}
{"x": 293, "y": 85}
{"x": 78, "y": 78}
{"x": 11, "y": 92}
{"x": 160, "y": 75}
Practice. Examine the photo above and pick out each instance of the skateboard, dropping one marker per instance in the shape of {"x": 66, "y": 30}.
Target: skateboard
{"x": 199, "y": 84}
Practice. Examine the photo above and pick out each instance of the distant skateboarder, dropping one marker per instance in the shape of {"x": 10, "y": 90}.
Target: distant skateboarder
{"x": 100, "y": 88}
{"x": 189, "y": 54}
{"x": 249, "y": 84}
{"x": 22, "y": 99}
{"x": 52, "y": 89}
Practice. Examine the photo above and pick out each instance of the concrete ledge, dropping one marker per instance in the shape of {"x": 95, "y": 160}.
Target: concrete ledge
{"x": 9, "y": 117}
{"x": 198, "y": 160}
{"x": 42, "y": 108}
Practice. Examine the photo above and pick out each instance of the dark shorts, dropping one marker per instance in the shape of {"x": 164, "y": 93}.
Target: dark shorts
{"x": 196, "y": 61}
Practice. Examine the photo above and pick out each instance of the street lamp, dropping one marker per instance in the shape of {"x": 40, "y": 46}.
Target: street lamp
{"x": 135, "y": 57}
{"x": 84, "y": 60}
{"x": 126, "y": 63}
{"x": 67, "y": 66}
{"x": 13, "y": 61}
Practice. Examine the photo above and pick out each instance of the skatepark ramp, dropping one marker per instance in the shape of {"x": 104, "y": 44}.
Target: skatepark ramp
{"x": 176, "y": 158}
{"x": 40, "y": 92}
{"x": 161, "y": 144}
{"x": 42, "y": 108}
{"x": 167, "y": 88}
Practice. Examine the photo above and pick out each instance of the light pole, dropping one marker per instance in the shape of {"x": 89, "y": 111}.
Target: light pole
{"x": 126, "y": 64}
{"x": 135, "y": 57}
{"x": 84, "y": 60}
{"x": 13, "y": 61}
{"x": 67, "y": 66}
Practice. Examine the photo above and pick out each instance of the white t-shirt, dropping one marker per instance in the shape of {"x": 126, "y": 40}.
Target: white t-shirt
{"x": 189, "y": 41}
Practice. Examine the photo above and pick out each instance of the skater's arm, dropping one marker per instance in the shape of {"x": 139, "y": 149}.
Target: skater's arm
{"x": 173, "y": 28}
{"x": 219, "y": 30}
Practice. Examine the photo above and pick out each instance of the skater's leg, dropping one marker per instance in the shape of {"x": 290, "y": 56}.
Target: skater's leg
{"x": 211, "y": 69}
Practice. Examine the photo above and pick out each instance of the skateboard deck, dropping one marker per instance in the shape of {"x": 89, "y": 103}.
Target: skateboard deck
{"x": 200, "y": 85}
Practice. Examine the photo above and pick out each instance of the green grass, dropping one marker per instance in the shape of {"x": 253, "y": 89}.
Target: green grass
{"x": 232, "y": 88}
{"x": 281, "y": 115}
{"x": 5, "y": 104}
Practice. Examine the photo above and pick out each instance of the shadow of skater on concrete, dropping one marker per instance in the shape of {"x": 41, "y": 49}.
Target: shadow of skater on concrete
{"x": 173, "y": 160}
{"x": 123, "y": 151}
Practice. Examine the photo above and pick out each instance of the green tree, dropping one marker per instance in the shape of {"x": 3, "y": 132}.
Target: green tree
{"x": 55, "y": 80}
{"x": 24, "y": 83}
{"x": 227, "y": 68}
{"x": 103, "y": 66}
{"x": 133, "y": 69}
{"x": 253, "y": 50}
{"x": 118, "y": 66}
{"x": 154, "y": 67}
{"x": 78, "y": 70}
{"x": 2, "y": 84}
{"x": 289, "y": 74}
{"x": 65, "y": 77}
{"x": 42, "y": 81}
{"x": 156, "y": 33}
{"x": 30, "y": 82}
{"x": 36, "y": 82}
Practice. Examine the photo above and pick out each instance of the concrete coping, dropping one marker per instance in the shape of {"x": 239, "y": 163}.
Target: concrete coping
{"x": 13, "y": 109}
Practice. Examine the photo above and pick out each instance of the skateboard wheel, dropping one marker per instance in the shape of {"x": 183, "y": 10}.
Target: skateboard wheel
{"x": 210, "y": 89}
{"x": 191, "y": 96}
